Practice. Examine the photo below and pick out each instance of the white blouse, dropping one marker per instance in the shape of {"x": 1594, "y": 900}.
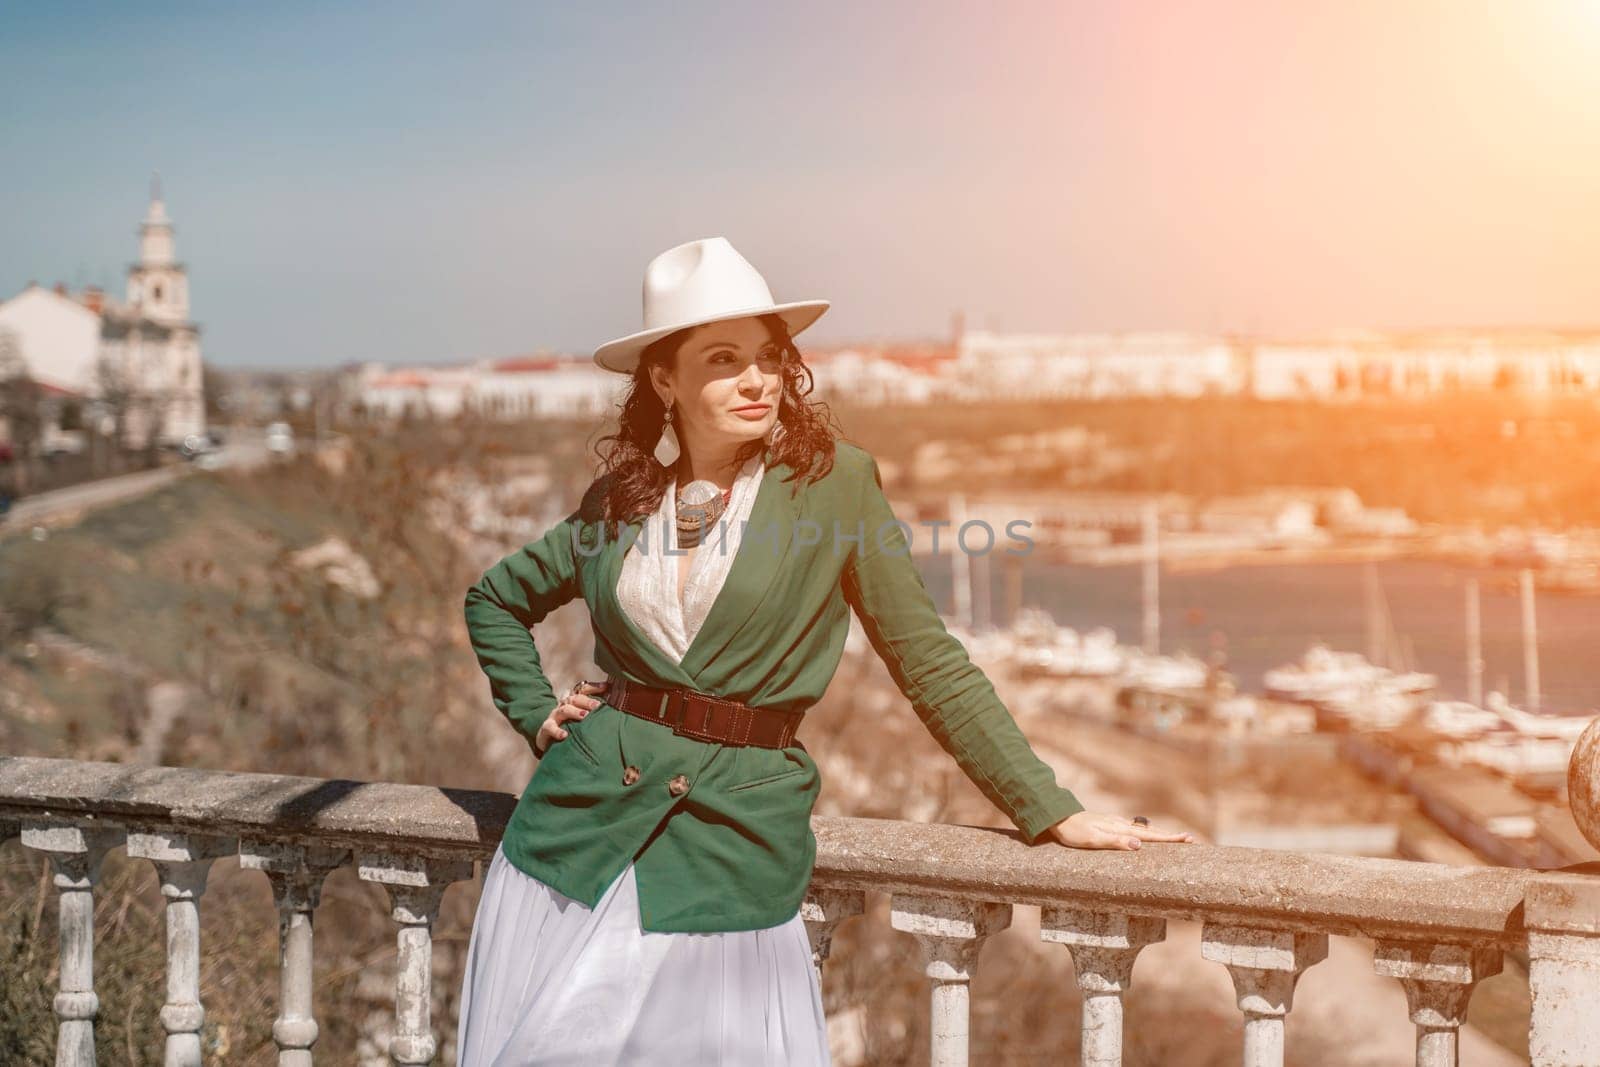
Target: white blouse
{"x": 647, "y": 588}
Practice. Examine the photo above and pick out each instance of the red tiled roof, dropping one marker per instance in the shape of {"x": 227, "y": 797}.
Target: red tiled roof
{"x": 398, "y": 378}
{"x": 923, "y": 360}
{"x": 518, "y": 364}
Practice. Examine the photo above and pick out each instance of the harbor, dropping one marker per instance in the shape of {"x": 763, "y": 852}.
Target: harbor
{"x": 1414, "y": 709}
{"x": 1262, "y": 617}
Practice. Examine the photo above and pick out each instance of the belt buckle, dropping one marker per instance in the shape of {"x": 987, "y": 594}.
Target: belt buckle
{"x": 664, "y": 713}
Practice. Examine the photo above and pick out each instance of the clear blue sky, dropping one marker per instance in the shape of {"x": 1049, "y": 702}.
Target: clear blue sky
{"x": 417, "y": 182}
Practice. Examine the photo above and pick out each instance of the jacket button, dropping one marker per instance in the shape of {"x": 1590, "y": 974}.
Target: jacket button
{"x": 630, "y": 775}
{"x": 679, "y": 785}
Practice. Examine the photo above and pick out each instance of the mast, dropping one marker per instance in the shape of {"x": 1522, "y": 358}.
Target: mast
{"x": 1530, "y": 643}
{"x": 1012, "y": 566}
{"x": 960, "y": 566}
{"x": 1374, "y": 615}
{"x": 1474, "y": 646}
{"x": 1151, "y": 592}
{"x": 980, "y": 592}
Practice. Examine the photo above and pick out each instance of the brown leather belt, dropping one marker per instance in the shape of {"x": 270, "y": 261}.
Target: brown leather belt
{"x": 704, "y": 717}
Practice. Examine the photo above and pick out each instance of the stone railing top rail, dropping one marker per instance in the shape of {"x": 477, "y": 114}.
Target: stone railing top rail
{"x": 1290, "y": 890}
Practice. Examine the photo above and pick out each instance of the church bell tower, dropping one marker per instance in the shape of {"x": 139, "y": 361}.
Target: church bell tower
{"x": 158, "y": 285}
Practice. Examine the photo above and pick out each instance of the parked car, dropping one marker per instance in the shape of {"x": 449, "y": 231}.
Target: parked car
{"x": 63, "y": 444}
{"x": 196, "y": 444}
{"x": 280, "y": 438}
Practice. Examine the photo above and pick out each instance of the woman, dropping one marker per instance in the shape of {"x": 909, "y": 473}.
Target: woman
{"x": 643, "y": 904}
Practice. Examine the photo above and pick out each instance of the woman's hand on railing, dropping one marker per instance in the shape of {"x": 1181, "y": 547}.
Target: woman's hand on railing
{"x": 575, "y": 704}
{"x": 1090, "y": 829}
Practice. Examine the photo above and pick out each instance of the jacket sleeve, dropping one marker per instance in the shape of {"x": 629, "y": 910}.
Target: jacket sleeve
{"x": 951, "y": 695}
{"x": 511, "y": 597}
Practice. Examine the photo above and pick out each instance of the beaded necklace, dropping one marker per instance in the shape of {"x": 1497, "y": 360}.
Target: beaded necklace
{"x": 699, "y": 505}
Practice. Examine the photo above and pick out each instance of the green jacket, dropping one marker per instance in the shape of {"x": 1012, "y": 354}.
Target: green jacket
{"x": 734, "y": 852}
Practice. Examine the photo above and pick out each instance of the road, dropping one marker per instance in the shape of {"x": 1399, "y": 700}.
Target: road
{"x": 245, "y": 449}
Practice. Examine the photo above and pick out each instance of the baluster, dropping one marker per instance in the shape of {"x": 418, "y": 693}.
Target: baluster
{"x": 1562, "y": 915}
{"x": 1438, "y": 980}
{"x": 416, "y": 884}
{"x": 296, "y": 873}
{"x": 1103, "y": 946}
{"x": 950, "y": 932}
{"x": 823, "y": 910}
{"x": 76, "y": 853}
{"x": 182, "y": 862}
{"x": 1265, "y": 965}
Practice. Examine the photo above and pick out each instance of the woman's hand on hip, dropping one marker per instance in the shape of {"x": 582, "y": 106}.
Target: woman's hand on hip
{"x": 1090, "y": 829}
{"x": 575, "y": 704}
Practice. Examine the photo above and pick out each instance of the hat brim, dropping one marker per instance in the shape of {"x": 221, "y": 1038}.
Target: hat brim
{"x": 622, "y": 355}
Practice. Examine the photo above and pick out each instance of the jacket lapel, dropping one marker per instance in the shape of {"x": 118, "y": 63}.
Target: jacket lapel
{"x": 767, "y": 543}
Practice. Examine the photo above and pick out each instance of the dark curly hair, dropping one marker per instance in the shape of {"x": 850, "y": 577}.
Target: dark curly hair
{"x": 632, "y": 481}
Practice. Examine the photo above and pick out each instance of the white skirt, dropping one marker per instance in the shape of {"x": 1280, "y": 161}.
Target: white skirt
{"x": 551, "y": 982}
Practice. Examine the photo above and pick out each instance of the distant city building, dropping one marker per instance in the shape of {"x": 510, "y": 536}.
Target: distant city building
{"x": 142, "y": 355}
{"x": 987, "y": 365}
{"x": 885, "y": 374}
{"x": 993, "y": 365}
{"x": 1362, "y": 363}
{"x": 516, "y": 387}
{"x": 546, "y": 385}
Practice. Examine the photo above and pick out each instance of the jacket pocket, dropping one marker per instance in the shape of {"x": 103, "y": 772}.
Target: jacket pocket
{"x": 796, "y": 764}
{"x": 792, "y": 772}
{"x": 575, "y": 737}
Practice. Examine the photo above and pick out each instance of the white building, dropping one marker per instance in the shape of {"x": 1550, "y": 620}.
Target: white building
{"x": 545, "y": 385}
{"x": 1352, "y": 363}
{"x": 892, "y": 374}
{"x": 505, "y": 388}
{"x": 142, "y": 355}
{"x": 995, "y": 365}
{"x": 1336, "y": 365}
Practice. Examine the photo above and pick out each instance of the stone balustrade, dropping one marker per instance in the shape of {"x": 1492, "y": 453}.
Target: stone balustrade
{"x": 1266, "y": 916}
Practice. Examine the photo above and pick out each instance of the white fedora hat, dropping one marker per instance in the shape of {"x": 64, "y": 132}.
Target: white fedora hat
{"x": 698, "y": 282}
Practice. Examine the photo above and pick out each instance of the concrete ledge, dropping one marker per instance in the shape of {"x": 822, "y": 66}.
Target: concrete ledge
{"x": 1375, "y": 898}
{"x": 1565, "y": 903}
{"x": 335, "y": 811}
{"x": 1354, "y": 895}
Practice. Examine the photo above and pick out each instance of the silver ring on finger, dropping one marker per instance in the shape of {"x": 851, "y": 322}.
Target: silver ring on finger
{"x": 1140, "y": 820}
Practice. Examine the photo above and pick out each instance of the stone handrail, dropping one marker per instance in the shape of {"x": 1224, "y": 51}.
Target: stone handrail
{"x": 1266, "y": 915}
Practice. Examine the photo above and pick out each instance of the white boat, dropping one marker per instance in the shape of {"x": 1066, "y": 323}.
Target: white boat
{"x": 1099, "y": 654}
{"x": 1458, "y": 718}
{"x": 1320, "y": 673}
{"x": 1182, "y": 671}
{"x": 1348, "y": 686}
{"x": 1516, "y": 756}
{"x": 1371, "y": 707}
{"x": 1410, "y": 682}
{"x": 1566, "y": 727}
{"x": 1043, "y": 646}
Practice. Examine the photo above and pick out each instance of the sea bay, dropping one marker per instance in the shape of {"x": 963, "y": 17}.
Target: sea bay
{"x": 1261, "y": 616}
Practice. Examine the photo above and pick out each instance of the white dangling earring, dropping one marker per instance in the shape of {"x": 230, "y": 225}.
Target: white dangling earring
{"x": 667, "y": 446}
